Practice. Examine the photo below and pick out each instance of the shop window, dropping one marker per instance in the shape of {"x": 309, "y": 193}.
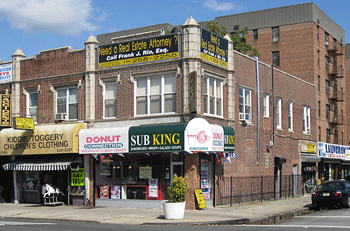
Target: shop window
{"x": 32, "y": 105}
{"x": 155, "y": 94}
{"x": 213, "y": 96}
{"x": 245, "y": 104}
{"x": 110, "y": 100}
{"x": 67, "y": 103}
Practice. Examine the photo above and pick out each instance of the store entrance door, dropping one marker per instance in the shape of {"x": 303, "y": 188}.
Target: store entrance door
{"x": 176, "y": 166}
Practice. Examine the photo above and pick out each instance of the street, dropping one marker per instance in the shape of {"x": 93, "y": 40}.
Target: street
{"x": 335, "y": 219}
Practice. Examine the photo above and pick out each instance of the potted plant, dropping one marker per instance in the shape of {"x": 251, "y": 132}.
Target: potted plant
{"x": 174, "y": 208}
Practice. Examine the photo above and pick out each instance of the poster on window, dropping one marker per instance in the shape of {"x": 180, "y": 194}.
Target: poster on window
{"x": 105, "y": 170}
{"x": 153, "y": 188}
{"x": 104, "y": 191}
{"x": 205, "y": 185}
{"x": 115, "y": 192}
{"x": 145, "y": 172}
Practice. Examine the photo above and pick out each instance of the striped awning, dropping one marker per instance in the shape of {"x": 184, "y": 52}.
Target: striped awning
{"x": 41, "y": 163}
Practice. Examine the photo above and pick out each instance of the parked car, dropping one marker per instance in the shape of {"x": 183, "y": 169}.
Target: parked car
{"x": 332, "y": 193}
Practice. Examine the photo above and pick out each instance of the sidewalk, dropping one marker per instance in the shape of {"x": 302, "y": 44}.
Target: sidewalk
{"x": 256, "y": 213}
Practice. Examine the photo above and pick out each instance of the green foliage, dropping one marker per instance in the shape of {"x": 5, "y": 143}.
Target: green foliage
{"x": 239, "y": 42}
{"x": 178, "y": 189}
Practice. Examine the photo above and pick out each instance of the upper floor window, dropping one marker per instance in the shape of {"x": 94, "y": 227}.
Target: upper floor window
{"x": 32, "y": 105}
{"x": 328, "y": 135}
{"x": 279, "y": 113}
{"x": 245, "y": 105}
{"x": 327, "y": 87}
{"x": 328, "y": 111}
{"x": 318, "y": 58}
{"x": 67, "y": 103}
{"x": 306, "y": 120}
{"x": 276, "y": 58}
{"x": 318, "y": 33}
{"x": 319, "y": 83}
{"x": 255, "y": 34}
{"x": 290, "y": 116}
{"x": 155, "y": 94}
{"x": 327, "y": 62}
{"x": 110, "y": 99}
{"x": 275, "y": 34}
{"x": 266, "y": 105}
{"x": 213, "y": 103}
{"x": 326, "y": 38}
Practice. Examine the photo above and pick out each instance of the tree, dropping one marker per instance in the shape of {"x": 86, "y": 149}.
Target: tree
{"x": 239, "y": 42}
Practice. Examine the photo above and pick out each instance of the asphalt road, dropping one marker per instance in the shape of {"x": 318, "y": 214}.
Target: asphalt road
{"x": 327, "y": 219}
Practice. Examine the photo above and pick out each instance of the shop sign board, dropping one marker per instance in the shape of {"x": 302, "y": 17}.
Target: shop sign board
{"x": 157, "y": 138}
{"x": 229, "y": 139}
{"x": 145, "y": 172}
{"x": 105, "y": 140}
{"x": 193, "y": 95}
{"x": 308, "y": 147}
{"x": 139, "y": 51}
{"x": 6, "y": 73}
{"x": 153, "y": 187}
{"x": 45, "y": 139}
{"x": 23, "y": 123}
{"x": 214, "y": 48}
{"x": 199, "y": 136}
{"x": 5, "y": 111}
{"x": 332, "y": 150}
{"x": 218, "y": 138}
{"x": 78, "y": 177}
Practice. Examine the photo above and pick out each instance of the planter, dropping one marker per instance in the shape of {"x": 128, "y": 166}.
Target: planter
{"x": 173, "y": 211}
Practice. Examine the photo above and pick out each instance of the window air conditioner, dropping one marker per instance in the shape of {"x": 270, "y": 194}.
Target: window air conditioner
{"x": 61, "y": 116}
{"x": 327, "y": 43}
{"x": 242, "y": 116}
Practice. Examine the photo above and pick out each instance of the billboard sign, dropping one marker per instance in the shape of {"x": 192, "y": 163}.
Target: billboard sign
{"x": 214, "y": 48}
{"x": 6, "y": 73}
{"x": 139, "y": 51}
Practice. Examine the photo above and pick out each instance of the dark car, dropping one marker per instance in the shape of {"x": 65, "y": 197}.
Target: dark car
{"x": 332, "y": 193}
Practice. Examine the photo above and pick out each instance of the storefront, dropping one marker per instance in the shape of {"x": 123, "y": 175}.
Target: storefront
{"x": 135, "y": 165}
{"x": 333, "y": 163}
{"x": 309, "y": 165}
{"x": 45, "y": 156}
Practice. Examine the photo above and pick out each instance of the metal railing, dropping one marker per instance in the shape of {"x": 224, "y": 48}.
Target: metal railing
{"x": 232, "y": 190}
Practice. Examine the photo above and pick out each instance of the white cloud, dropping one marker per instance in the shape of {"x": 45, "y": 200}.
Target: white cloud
{"x": 221, "y": 6}
{"x": 67, "y": 17}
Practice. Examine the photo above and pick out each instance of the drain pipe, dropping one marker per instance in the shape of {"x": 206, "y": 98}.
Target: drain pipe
{"x": 258, "y": 89}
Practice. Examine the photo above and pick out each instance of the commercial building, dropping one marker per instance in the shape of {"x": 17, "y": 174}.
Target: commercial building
{"x": 148, "y": 105}
{"x": 304, "y": 41}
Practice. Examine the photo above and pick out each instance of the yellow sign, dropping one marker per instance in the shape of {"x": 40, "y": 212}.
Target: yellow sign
{"x": 200, "y": 198}
{"x": 308, "y": 147}
{"x": 5, "y": 110}
{"x": 23, "y": 123}
{"x": 46, "y": 139}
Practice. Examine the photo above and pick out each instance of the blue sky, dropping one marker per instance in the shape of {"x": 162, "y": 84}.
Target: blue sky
{"x": 36, "y": 25}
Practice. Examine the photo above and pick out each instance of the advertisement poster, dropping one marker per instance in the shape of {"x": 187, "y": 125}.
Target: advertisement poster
{"x": 145, "y": 172}
{"x": 200, "y": 198}
{"x": 78, "y": 177}
{"x": 104, "y": 191}
{"x": 153, "y": 187}
{"x": 115, "y": 192}
{"x": 139, "y": 51}
{"x": 6, "y": 73}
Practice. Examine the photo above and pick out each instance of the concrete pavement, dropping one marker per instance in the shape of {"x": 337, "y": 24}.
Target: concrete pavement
{"x": 255, "y": 213}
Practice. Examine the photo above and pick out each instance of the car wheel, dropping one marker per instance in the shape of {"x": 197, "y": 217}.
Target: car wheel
{"x": 315, "y": 206}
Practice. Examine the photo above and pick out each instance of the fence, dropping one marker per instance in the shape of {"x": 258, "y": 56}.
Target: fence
{"x": 247, "y": 189}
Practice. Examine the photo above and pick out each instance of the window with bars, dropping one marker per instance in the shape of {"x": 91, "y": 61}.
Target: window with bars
{"x": 213, "y": 91}
{"x": 155, "y": 94}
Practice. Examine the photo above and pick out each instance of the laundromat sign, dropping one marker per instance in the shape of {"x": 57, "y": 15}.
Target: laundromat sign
{"x": 51, "y": 139}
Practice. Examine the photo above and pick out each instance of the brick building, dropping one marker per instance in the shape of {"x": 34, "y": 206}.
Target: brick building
{"x": 304, "y": 41}
{"x": 153, "y": 104}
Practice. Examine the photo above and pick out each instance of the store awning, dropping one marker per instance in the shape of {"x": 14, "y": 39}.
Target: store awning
{"x": 42, "y": 163}
{"x": 310, "y": 159}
